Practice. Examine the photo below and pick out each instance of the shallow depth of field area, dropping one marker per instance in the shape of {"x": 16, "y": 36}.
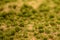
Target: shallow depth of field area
{"x": 29, "y": 19}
